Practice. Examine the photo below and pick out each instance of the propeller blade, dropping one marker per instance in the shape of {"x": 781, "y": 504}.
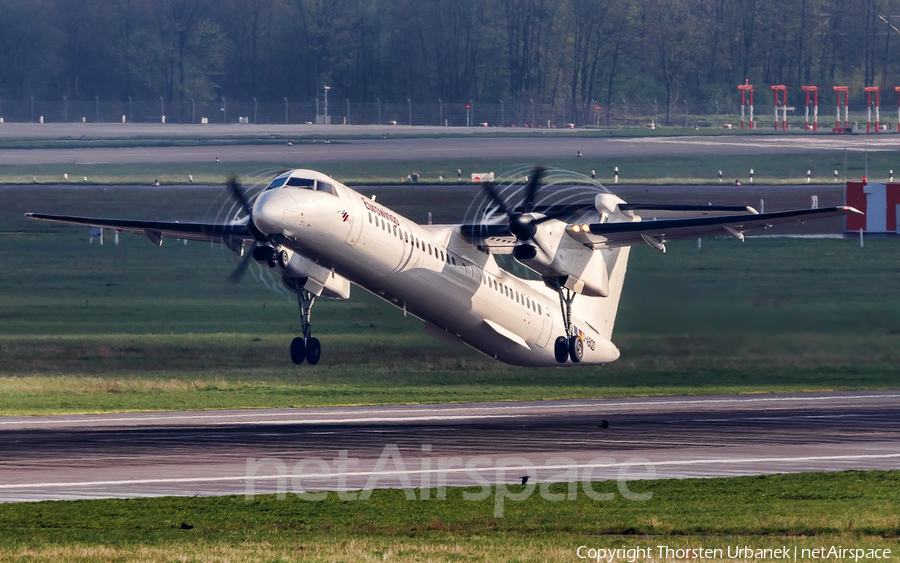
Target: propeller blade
{"x": 489, "y": 189}
{"x": 531, "y": 189}
{"x": 238, "y": 273}
{"x": 238, "y": 194}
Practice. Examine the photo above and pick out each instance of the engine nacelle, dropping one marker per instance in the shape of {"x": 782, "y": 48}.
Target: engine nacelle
{"x": 583, "y": 269}
{"x": 315, "y": 279}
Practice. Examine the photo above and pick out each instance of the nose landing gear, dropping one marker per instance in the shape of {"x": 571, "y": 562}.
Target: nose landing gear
{"x": 305, "y": 348}
{"x": 570, "y": 346}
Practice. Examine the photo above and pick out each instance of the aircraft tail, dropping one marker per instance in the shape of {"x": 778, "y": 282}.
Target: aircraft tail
{"x": 600, "y": 312}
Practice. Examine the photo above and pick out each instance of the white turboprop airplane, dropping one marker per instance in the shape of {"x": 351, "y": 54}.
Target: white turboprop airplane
{"x": 321, "y": 236}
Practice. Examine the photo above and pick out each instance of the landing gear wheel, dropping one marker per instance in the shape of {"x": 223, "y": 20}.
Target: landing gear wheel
{"x": 298, "y": 350}
{"x": 313, "y": 351}
{"x": 576, "y": 348}
{"x": 284, "y": 258}
{"x": 561, "y": 349}
{"x": 305, "y": 347}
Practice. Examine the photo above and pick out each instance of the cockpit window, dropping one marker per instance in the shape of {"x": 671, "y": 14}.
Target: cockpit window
{"x": 279, "y": 181}
{"x": 324, "y": 187}
{"x": 302, "y": 183}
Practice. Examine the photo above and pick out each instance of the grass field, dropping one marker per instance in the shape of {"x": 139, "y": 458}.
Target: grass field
{"x": 703, "y": 169}
{"x": 88, "y": 328}
{"x": 848, "y": 509}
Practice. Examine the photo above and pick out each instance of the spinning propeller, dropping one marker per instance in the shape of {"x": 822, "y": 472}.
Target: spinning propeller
{"x": 521, "y": 220}
{"x": 259, "y": 239}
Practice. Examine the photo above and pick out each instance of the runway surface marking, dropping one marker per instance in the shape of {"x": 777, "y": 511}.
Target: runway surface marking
{"x": 478, "y": 469}
{"x": 311, "y": 411}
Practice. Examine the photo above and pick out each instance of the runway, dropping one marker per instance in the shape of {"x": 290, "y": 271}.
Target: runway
{"x": 295, "y": 450}
{"x": 534, "y": 147}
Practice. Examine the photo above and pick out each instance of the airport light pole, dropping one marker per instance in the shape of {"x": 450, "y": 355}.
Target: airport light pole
{"x": 717, "y": 114}
{"x": 162, "y": 110}
{"x": 502, "y": 113}
{"x": 223, "y": 110}
{"x": 348, "y": 110}
{"x": 409, "y": 104}
{"x": 685, "y": 113}
{"x": 255, "y": 112}
{"x": 378, "y": 100}
{"x": 327, "y": 88}
{"x": 626, "y": 111}
{"x": 285, "y": 110}
{"x": 532, "y": 111}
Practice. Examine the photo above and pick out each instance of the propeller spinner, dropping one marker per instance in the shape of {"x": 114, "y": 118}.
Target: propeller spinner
{"x": 521, "y": 220}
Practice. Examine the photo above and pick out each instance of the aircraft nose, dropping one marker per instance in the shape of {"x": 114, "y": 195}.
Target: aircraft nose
{"x": 270, "y": 209}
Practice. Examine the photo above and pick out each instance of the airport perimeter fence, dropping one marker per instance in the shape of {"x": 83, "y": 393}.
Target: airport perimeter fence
{"x": 456, "y": 114}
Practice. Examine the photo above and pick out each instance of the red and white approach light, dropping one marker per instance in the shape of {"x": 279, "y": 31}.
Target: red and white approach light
{"x": 845, "y": 90}
{"x": 869, "y": 90}
{"x": 815, "y": 91}
{"x": 744, "y": 88}
{"x": 783, "y": 89}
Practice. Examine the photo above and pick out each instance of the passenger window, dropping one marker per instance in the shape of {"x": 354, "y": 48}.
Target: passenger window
{"x": 442, "y": 254}
{"x": 370, "y": 218}
{"x": 405, "y": 236}
{"x": 429, "y": 249}
{"x": 539, "y": 309}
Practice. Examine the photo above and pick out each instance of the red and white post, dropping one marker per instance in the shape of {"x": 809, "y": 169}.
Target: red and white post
{"x": 783, "y": 89}
{"x": 745, "y": 88}
{"x": 815, "y": 92}
{"x": 845, "y": 90}
{"x": 869, "y": 91}
{"x": 897, "y": 89}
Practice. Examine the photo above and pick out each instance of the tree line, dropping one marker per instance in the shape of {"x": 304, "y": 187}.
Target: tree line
{"x": 576, "y": 53}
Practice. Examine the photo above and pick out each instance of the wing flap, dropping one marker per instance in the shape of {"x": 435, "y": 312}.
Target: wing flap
{"x": 230, "y": 235}
{"x": 610, "y": 235}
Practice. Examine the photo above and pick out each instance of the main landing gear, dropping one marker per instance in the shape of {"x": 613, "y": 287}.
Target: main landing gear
{"x": 305, "y": 348}
{"x": 570, "y": 346}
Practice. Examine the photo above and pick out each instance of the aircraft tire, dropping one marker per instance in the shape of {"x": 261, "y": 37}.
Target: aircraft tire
{"x": 284, "y": 259}
{"x": 298, "y": 350}
{"x": 313, "y": 351}
{"x": 561, "y": 349}
{"x": 576, "y": 349}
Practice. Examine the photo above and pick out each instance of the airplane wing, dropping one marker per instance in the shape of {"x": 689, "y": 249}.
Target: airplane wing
{"x": 673, "y": 211}
{"x": 655, "y": 233}
{"x": 231, "y": 235}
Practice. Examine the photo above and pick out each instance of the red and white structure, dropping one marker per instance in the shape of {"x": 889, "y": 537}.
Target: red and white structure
{"x": 879, "y": 201}
{"x": 815, "y": 92}
{"x": 869, "y": 91}
{"x": 745, "y": 88}
{"x": 783, "y": 89}
{"x": 845, "y": 90}
{"x": 897, "y": 89}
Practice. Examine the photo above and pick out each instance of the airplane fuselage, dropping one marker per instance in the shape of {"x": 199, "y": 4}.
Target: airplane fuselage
{"x": 431, "y": 272}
